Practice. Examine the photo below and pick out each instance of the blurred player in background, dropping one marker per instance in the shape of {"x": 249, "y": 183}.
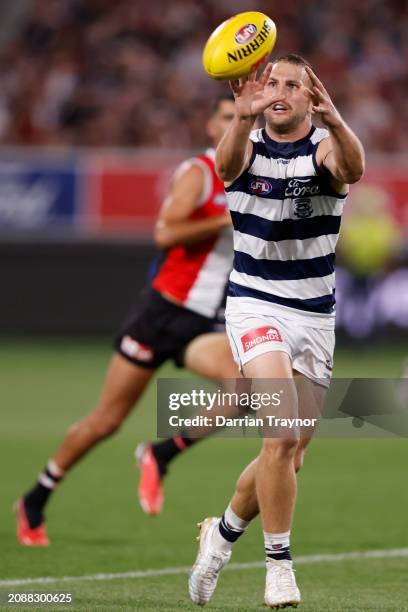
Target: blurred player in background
{"x": 174, "y": 318}
{"x": 286, "y": 186}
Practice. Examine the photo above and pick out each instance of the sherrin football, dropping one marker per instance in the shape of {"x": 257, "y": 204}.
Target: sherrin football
{"x": 239, "y": 44}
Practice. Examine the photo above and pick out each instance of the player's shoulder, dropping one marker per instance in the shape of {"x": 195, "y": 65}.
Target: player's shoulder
{"x": 257, "y": 135}
{"x": 200, "y": 164}
{"x": 318, "y": 135}
{"x": 321, "y": 142}
{"x": 198, "y": 172}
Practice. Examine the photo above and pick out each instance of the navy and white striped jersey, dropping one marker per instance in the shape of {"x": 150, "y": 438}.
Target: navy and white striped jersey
{"x": 286, "y": 219}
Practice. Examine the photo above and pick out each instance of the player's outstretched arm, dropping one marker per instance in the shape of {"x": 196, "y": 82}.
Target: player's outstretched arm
{"x": 174, "y": 227}
{"x": 235, "y": 148}
{"x": 343, "y": 153}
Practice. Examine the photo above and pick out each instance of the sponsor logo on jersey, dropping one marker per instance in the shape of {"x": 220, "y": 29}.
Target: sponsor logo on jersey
{"x": 136, "y": 350}
{"x": 246, "y": 33}
{"x": 258, "y": 336}
{"x": 303, "y": 207}
{"x": 329, "y": 365}
{"x": 260, "y": 186}
{"x": 301, "y": 187}
{"x": 283, "y": 161}
{"x": 253, "y": 45}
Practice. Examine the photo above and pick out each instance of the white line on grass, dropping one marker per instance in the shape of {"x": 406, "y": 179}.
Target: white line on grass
{"x": 168, "y": 571}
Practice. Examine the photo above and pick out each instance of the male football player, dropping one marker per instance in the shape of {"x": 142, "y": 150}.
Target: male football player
{"x": 286, "y": 186}
{"x": 174, "y": 318}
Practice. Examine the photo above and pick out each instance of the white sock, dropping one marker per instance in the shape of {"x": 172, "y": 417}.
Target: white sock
{"x": 54, "y": 469}
{"x": 233, "y": 521}
{"x": 277, "y": 545}
{"x": 229, "y": 529}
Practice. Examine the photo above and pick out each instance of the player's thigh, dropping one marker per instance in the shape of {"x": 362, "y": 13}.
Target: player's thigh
{"x": 311, "y": 399}
{"x": 271, "y": 376}
{"x": 124, "y": 384}
{"x": 272, "y": 364}
{"x": 209, "y": 355}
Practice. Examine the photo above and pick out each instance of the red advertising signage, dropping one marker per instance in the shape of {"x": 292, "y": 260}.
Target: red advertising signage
{"x": 124, "y": 196}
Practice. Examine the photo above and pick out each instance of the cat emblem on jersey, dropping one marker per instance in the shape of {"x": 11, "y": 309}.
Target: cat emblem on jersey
{"x": 303, "y": 207}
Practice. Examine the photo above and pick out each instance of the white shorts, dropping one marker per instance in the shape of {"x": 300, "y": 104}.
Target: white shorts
{"x": 309, "y": 348}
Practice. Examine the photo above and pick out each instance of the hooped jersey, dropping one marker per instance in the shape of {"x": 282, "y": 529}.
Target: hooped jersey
{"x": 286, "y": 218}
{"x": 196, "y": 275}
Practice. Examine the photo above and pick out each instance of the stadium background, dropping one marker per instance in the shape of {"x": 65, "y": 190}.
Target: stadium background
{"x": 98, "y": 103}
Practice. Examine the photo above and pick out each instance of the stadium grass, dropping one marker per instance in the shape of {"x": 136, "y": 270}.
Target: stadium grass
{"x": 352, "y": 496}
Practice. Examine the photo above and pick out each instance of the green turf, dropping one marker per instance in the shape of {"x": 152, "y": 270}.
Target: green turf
{"x": 352, "y": 496}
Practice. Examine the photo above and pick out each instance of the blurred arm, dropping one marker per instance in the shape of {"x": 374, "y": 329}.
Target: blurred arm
{"x": 173, "y": 226}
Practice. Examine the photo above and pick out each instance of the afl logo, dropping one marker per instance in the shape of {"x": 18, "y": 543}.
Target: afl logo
{"x": 246, "y": 33}
{"x": 260, "y": 186}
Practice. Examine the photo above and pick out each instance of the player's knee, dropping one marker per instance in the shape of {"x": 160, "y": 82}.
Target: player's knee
{"x": 104, "y": 424}
{"x": 108, "y": 427}
{"x": 280, "y": 449}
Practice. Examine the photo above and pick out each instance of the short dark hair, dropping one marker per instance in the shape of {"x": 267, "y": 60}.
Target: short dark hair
{"x": 217, "y": 101}
{"x": 292, "y": 58}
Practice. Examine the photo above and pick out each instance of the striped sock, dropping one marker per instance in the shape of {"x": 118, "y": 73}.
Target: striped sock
{"x": 51, "y": 475}
{"x": 37, "y": 497}
{"x": 277, "y": 545}
{"x": 230, "y": 528}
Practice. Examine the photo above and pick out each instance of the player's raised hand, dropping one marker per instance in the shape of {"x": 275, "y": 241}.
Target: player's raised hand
{"x": 322, "y": 103}
{"x": 250, "y": 95}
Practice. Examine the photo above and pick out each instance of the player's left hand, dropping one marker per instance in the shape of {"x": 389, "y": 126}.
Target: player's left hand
{"x": 322, "y": 103}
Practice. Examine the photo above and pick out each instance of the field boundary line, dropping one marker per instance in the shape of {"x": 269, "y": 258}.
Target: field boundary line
{"x": 169, "y": 571}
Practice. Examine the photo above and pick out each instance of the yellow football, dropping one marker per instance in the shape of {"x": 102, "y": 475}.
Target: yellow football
{"x": 239, "y": 44}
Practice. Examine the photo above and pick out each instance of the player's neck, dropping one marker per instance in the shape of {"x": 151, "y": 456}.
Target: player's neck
{"x": 291, "y": 135}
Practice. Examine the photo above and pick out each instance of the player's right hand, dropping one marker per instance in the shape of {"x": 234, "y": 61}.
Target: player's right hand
{"x": 250, "y": 95}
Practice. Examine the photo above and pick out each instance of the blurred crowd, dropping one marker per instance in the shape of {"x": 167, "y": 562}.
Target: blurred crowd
{"x": 129, "y": 73}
